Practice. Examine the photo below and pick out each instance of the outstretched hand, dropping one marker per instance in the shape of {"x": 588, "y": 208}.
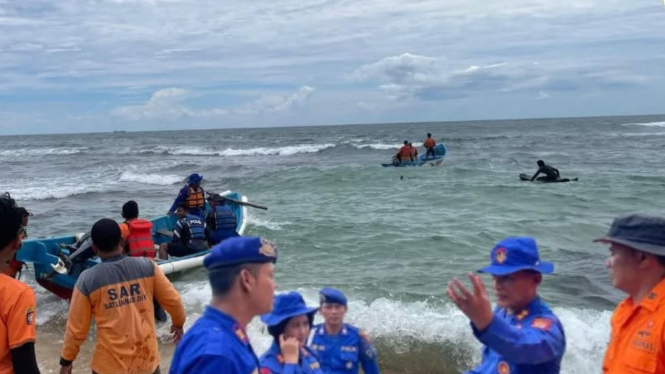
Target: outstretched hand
{"x": 474, "y": 305}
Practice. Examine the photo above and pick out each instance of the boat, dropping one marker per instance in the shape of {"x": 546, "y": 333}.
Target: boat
{"x": 440, "y": 152}
{"x": 57, "y": 269}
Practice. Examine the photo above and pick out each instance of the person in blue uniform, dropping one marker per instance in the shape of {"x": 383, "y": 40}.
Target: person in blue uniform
{"x": 192, "y": 196}
{"x": 342, "y": 348}
{"x": 522, "y": 335}
{"x": 241, "y": 271}
{"x": 189, "y": 236}
{"x": 221, "y": 221}
{"x": 289, "y": 324}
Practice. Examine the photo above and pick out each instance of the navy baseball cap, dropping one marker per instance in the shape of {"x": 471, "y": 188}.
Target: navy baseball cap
{"x": 332, "y": 296}
{"x": 514, "y": 254}
{"x": 643, "y": 232}
{"x": 287, "y": 306}
{"x": 241, "y": 250}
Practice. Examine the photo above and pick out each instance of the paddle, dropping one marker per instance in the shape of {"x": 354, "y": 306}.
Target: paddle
{"x": 241, "y": 202}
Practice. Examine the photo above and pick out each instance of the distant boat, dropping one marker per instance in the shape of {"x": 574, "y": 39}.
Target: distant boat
{"x": 119, "y": 131}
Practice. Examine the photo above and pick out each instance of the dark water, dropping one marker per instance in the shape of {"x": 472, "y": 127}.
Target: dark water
{"x": 342, "y": 220}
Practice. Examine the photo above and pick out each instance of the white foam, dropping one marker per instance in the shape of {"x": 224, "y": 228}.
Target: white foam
{"x": 264, "y": 222}
{"x": 282, "y": 151}
{"x": 383, "y": 146}
{"x": 156, "y": 179}
{"x": 54, "y": 190}
{"x": 648, "y": 124}
{"x": 24, "y": 152}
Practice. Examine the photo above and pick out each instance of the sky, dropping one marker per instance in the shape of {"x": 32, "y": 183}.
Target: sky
{"x": 104, "y": 65}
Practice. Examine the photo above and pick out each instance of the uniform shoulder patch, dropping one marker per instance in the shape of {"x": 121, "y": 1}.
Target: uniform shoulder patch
{"x": 542, "y": 323}
{"x": 29, "y": 316}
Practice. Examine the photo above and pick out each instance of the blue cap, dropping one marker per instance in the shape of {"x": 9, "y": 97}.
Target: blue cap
{"x": 194, "y": 178}
{"x": 514, "y": 254}
{"x": 332, "y": 296}
{"x": 286, "y": 306}
{"x": 241, "y": 250}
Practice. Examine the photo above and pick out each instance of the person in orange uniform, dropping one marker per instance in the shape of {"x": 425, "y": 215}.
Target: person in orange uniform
{"x": 14, "y": 267}
{"x": 404, "y": 154}
{"x": 17, "y": 301}
{"x": 637, "y": 267}
{"x": 136, "y": 233}
{"x": 429, "y": 144}
{"x": 119, "y": 293}
{"x": 193, "y": 196}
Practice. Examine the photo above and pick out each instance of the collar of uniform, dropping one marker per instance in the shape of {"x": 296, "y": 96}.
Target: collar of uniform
{"x": 653, "y": 299}
{"x": 322, "y": 330}
{"x": 114, "y": 258}
{"x": 228, "y": 322}
{"x": 527, "y": 309}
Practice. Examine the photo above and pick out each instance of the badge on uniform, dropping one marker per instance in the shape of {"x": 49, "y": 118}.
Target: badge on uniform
{"x": 29, "y": 316}
{"x": 541, "y": 323}
{"x": 268, "y": 249}
{"x": 503, "y": 368}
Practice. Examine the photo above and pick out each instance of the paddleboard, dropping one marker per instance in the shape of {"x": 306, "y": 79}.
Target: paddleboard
{"x": 527, "y": 178}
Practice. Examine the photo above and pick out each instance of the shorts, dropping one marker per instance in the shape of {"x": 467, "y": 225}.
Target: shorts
{"x": 180, "y": 250}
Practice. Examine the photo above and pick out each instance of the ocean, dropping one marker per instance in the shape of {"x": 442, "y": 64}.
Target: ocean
{"x": 390, "y": 238}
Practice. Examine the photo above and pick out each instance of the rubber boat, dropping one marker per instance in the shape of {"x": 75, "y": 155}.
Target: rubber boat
{"x": 57, "y": 269}
{"x": 527, "y": 178}
{"x": 440, "y": 152}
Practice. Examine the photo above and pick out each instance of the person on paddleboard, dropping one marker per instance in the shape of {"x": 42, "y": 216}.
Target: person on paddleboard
{"x": 342, "y": 348}
{"x": 637, "y": 267}
{"x": 289, "y": 323}
{"x": 429, "y": 144}
{"x": 241, "y": 271}
{"x": 17, "y": 300}
{"x": 192, "y": 196}
{"x": 551, "y": 174}
{"x": 522, "y": 334}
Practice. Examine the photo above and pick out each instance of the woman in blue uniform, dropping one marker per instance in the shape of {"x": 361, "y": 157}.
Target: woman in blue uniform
{"x": 289, "y": 323}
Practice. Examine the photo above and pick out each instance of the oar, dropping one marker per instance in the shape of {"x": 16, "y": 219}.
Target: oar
{"x": 245, "y": 203}
{"x": 242, "y": 202}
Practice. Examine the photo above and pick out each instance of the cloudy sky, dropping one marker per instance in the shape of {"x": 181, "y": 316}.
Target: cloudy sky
{"x": 103, "y": 65}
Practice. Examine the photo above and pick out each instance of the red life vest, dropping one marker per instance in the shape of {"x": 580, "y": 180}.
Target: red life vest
{"x": 405, "y": 151}
{"x": 140, "y": 241}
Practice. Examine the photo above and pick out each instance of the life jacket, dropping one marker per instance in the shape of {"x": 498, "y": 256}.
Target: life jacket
{"x": 139, "y": 241}
{"x": 405, "y": 151}
{"x": 195, "y": 199}
{"x": 429, "y": 143}
{"x": 196, "y": 228}
{"x": 224, "y": 218}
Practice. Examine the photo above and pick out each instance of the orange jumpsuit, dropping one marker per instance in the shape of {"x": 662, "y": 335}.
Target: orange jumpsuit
{"x": 17, "y": 319}
{"x": 638, "y": 336}
{"x": 119, "y": 293}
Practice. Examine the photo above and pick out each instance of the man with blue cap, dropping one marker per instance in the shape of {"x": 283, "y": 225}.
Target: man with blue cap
{"x": 342, "y": 348}
{"x": 289, "y": 324}
{"x": 193, "y": 196}
{"x": 522, "y": 335}
{"x": 241, "y": 271}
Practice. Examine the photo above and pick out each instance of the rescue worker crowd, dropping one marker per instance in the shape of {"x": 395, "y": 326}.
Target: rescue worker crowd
{"x": 520, "y": 335}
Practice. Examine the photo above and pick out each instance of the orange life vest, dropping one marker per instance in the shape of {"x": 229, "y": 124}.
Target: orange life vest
{"x": 429, "y": 143}
{"x": 405, "y": 151}
{"x": 140, "y": 241}
{"x": 195, "y": 199}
